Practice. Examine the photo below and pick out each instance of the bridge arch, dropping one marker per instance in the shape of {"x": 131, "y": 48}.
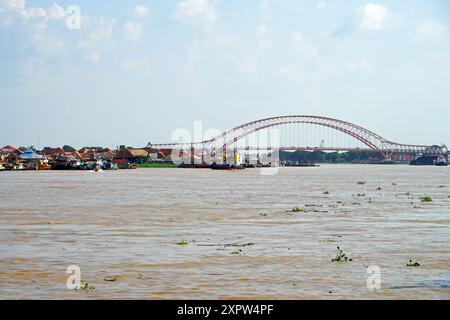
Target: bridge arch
{"x": 367, "y": 137}
{"x": 328, "y": 125}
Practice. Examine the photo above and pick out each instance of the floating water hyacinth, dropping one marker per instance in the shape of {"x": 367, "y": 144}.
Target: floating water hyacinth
{"x": 341, "y": 256}
{"x": 86, "y": 286}
{"x": 413, "y": 264}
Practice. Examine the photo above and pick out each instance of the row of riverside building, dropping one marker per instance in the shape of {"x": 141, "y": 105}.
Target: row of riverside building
{"x": 87, "y": 158}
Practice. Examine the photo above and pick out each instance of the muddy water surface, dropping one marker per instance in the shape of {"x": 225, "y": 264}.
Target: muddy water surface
{"x": 243, "y": 239}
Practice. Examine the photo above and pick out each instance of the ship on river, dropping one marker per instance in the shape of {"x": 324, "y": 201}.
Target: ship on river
{"x": 430, "y": 160}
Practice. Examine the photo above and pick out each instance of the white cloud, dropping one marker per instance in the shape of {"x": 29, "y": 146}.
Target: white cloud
{"x": 11, "y": 10}
{"x": 140, "y": 12}
{"x": 195, "y": 11}
{"x": 95, "y": 37}
{"x": 56, "y": 12}
{"x": 133, "y": 30}
{"x": 373, "y": 16}
{"x": 370, "y": 17}
{"x": 35, "y": 12}
{"x": 17, "y": 5}
{"x": 431, "y": 31}
{"x": 100, "y": 28}
{"x": 45, "y": 41}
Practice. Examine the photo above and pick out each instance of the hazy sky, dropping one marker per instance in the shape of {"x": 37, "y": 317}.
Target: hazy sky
{"x": 137, "y": 70}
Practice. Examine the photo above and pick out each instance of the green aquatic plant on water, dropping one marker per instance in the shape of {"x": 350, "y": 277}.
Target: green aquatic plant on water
{"x": 86, "y": 286}
{"x": 341, "y": 256}
{"x": 426, "y": 199}
{"x": 326, "y": 192}
{"x": 413, "y": 264}
{"x": 182, "y": 243}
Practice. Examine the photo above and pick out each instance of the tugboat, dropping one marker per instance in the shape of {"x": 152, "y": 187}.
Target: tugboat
{"x": 227, "y": 166}
{"x": 61, "y": 163}
{"x": 423, "y": 160}
{"x": 430, "y": 160}
{"x": 230, "y": 167}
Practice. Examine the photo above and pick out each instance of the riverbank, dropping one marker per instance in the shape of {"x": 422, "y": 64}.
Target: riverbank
{"x": 156, "y": 165}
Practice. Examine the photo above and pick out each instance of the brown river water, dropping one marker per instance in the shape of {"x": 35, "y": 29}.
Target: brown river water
{"x": 127, "y": 224}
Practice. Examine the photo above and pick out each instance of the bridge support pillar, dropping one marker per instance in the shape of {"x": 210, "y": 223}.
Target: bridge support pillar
{"x": 203, "y": 155}
{"x": 224, "y": 154}
{"x": 235, "y": 153}
{"x": 269, "y": 155}
{"x": 258, "y": 162}
{"x": 247, "y": 156}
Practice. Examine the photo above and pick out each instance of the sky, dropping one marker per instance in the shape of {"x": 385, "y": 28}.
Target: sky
{"x": 131, "y": 72}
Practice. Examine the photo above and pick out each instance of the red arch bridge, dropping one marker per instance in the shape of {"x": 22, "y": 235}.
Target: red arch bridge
{"x": 299, "y": 132}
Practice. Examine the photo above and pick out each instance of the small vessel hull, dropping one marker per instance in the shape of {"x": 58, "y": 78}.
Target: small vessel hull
{"x": 227, "y": 167}
{"x": 441, "y": 164}
{"x": 430, "y": 160}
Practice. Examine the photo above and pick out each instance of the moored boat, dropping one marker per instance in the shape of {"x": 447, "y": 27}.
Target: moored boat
{"x": 226, "y": 166}
{"x": 429, "y": 160}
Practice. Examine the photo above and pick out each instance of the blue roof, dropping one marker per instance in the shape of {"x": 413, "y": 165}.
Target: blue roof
{"x": 30, "y": 155}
